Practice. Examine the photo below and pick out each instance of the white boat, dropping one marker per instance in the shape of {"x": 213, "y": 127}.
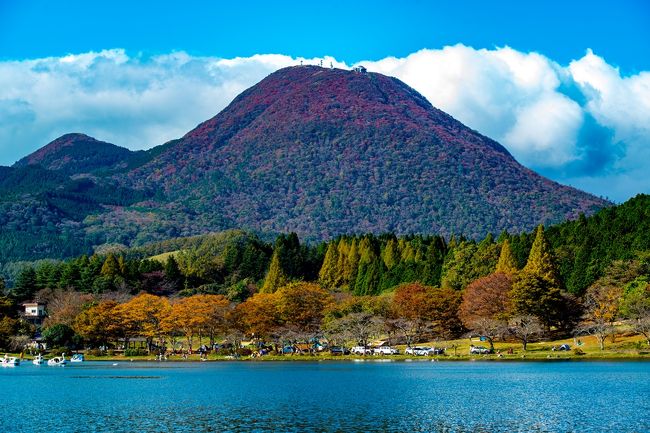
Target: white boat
{"x": 77, "y": 357}
{"x": 10, "y": 361}
{"x": 38, "y": 360}
{"x": 57, "y": 360}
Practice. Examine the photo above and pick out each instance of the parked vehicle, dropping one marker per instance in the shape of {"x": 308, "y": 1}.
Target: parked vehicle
{"x": 339, "y": 350}
{"x": 361, "y": 350}
{"x": 479, "y": 350}
{"x": 424, "y": 351}
{"x": 429, "y": 351}
{"x": 412, "y": 350}
{"x": 385, "y": 350}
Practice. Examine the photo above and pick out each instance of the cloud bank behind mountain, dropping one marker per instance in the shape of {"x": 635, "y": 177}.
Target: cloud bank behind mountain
{"x": 583, "y": 124}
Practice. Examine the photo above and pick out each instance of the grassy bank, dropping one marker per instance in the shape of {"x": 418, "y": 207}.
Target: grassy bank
{"x": 631, "y": 347}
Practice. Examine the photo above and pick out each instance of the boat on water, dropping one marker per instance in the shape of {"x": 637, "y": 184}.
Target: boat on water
{"x": 57, "y": 360}
{"x": 77, "y": 357}
{"x": 38, "y": 360}
{"x": 10, "y": 361}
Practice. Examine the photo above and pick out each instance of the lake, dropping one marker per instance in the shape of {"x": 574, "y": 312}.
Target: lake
{"x": 342, "y": 396}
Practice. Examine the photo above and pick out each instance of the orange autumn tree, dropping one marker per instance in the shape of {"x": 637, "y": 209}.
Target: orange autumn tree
{"x": 97, "y": 324}
{"x": 145, "y": 316}
{"x": 486, "y": 305}
{"x": 422, "y": 309}
{"x": 302, "y": 305}
{"x": 198, "y": 315}
{"x": 259, "y": 314}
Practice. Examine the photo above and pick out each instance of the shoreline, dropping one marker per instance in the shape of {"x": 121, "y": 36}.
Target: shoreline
{"x": 373, "y": 359}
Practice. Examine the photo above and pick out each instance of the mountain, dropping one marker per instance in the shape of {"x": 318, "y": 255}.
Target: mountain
{"x": 316, "y": 151}
{"x": 328, "y": 151}
{"x": 78, "y": 153}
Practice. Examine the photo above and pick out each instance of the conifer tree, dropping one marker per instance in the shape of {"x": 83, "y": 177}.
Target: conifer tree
{"x": 173, "y": 273}
{"x": 111, "y": 267}
{"x": 351, "y": 265}
{"x": 328, "y": 272}
{"x": 540, "y": 259}
{"x": 434, "y": 258}
{"x": 343, "y": 250}
{"x": 390, "y": 255}
{"x": 507, "y": 263}
{"x": 275, "y": 277}
{"x": 408, "y": 253}
{"x": 25, "y": 286}
{"x": 121, "y": 265}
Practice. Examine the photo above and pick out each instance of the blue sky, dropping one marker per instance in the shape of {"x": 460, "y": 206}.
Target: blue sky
{"x": 563, "y": 85}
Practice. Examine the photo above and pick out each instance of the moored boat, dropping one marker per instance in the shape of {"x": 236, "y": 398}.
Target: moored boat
{"x": 38, "y": 360}
{"x": 57, "y": 360}
{"x": 77, "y": 357}
{"x": 10, "y": 361}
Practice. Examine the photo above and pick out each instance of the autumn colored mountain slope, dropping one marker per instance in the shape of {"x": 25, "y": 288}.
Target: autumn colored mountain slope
{"x": 328, "y": 151}
{"x": 316, "y": 151}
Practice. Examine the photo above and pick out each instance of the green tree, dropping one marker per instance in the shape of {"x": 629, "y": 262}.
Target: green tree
{"x": 541, "y": 260}
{"x": 535, "y": 295}
{"x": 351, "y": 265}
{"x": 111, "y": 267}
{"x": 59, "y": 335}
{"x": 275, "y": 277}
{"x": 25, "y": 286}
{"x": 507, "y": 263}
{"x": 458, "y": 270}
{"x": 173, "y": 274}
{"x": 328, "y": 274}
{"x": 390, "y": 254}
{"x": 635, "y": 305}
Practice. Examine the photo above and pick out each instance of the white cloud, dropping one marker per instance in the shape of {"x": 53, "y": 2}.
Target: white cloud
{"x": 582, "y": 123}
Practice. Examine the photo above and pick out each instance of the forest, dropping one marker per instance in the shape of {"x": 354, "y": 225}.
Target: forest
{"x": 581, "y": 276}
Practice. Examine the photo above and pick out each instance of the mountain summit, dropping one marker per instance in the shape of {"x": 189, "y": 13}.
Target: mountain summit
{"x": 329, "y": 151}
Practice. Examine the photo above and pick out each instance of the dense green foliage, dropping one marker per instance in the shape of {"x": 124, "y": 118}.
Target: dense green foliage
{"x": 362, "y": 265}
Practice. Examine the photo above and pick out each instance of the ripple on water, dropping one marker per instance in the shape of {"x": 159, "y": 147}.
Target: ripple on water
{"x": 325, "y": 396}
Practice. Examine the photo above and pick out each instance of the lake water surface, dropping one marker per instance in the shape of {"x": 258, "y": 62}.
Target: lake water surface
{"x": 327, "y": 396}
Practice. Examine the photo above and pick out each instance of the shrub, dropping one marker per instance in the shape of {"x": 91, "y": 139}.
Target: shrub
{"x": 135, "y": 352}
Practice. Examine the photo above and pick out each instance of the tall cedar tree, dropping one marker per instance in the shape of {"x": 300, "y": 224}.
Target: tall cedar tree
{"x": 507, "y": 263}
{"x": 25, "y": 286}
{"x": 328, "y": 272}
{"x": 275, "y": 277}
{"x": 540, "y": 259}
{"x": 111, "y": 267}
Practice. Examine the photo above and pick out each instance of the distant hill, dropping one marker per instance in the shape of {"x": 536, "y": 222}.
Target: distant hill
{"x": 78, "y": 153}
{"x": 316, "y": 151}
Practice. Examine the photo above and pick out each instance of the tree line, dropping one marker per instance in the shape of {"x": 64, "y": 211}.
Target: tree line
{"x": 579, "y": 276}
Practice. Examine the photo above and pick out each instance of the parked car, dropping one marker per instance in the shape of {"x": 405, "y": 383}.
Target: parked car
{"x": 361, "y": 350}
{"x": 428, "y": 351}
{"x": 412, "y": 350}
{"x": 424, "y": 351}
{"x": 479, "y": 350}
{"x": 385, "y": 350}
{"x": 339, "y": 350}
